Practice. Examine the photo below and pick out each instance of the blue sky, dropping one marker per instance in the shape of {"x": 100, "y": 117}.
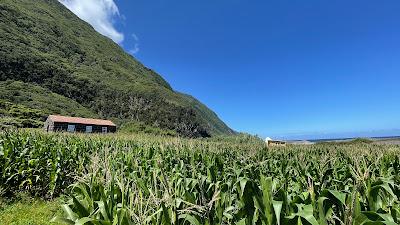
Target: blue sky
{"x": 283, "y": 68}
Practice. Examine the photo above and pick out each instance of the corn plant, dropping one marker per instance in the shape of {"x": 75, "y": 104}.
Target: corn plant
{"x": 119, "y": 179}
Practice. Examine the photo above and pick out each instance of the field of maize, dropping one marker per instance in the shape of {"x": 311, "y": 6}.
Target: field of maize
{"x": 162, "y": 180}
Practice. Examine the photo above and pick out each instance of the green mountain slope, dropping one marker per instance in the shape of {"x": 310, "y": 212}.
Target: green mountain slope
{"x": 36, "y": 97}
{"x": 47, "y": 49}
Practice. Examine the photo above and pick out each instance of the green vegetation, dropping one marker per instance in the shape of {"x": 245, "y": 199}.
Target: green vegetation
{"x": 36, "y": 97}
{"x": 141, "y": 128}
{"x": 15, "y": 115}
{"x": 348, "y": 142}
{"x": 26, "y": 210}
{"x": 64, "y": 66}
{"x": 361, "y": 140}
{"x": 143, "y": 179}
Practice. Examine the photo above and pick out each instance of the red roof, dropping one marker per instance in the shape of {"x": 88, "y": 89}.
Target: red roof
{"x": 79, "y": 120}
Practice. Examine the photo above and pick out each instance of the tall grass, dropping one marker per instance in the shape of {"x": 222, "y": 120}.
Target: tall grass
{"x": 149, "y": 180}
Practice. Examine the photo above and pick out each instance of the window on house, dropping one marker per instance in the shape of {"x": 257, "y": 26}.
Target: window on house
{"x": 89, "y": 129}
{"x": 104, "y": 129}
{"x": 71, "y": 128}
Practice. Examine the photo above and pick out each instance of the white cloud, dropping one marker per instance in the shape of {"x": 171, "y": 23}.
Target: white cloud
{"x": 135, "y": 48}
{"x": 99, "y": 14}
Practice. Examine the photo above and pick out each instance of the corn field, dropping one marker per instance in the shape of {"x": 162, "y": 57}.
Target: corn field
{"x": 171, "y": 181}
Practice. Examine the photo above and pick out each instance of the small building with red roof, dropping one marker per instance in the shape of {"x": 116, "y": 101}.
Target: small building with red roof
{"x": 78, "y": 124}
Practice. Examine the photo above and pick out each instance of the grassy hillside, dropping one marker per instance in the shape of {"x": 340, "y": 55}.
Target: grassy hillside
{"x": 45, "y": 45}
{"x": 36, "y": 97}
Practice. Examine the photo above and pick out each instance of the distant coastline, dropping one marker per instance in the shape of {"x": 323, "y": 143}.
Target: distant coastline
{"x": 313, "y": 141}
{"x": 351, "y": 138}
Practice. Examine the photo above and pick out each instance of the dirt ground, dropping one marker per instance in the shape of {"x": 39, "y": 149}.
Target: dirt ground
{"x": 388, "y": 142}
